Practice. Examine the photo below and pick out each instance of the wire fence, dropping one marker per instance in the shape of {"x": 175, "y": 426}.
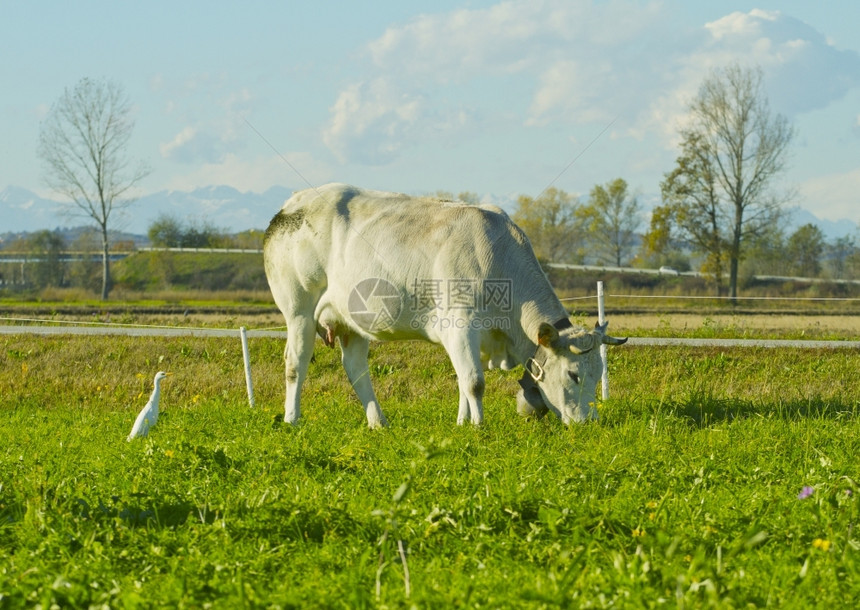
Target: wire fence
{"x": 54, "y": 326}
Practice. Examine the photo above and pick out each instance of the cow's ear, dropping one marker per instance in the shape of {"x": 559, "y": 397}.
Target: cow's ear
{"x": 547, "y": 335}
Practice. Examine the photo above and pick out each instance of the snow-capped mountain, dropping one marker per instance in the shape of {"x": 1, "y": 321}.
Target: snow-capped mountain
{"x": 225, "y": 208}
{"x": 222, "y": 207}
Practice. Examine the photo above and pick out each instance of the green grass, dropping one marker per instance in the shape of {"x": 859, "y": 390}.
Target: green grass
{"x": 201, "y": 271}
{"x": 684, "y": 494}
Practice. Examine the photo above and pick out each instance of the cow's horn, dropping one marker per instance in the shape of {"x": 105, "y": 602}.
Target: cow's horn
{"x": 614, "y": 340}
{"x": 606, "y": 339}
{"x": 582, "y": 343}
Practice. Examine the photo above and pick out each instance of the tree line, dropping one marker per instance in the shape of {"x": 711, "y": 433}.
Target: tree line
{"x": 51, "y": 260}
{"x": 607, "y": 228}
{"x": 721, "y": 211}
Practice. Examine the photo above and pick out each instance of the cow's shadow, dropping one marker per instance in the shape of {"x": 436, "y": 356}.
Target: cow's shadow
{"x": 705, "y": 411}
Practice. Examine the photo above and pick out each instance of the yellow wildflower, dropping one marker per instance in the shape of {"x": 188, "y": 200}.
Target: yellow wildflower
{"x": 821, "y": 544}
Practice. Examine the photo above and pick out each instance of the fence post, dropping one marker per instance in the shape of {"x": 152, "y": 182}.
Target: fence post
{"x": 601, "y": 318}
{"x": 247, "y": 358}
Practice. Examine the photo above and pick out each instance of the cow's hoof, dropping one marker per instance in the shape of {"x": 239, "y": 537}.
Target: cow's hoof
{"x": 377, "y": 424}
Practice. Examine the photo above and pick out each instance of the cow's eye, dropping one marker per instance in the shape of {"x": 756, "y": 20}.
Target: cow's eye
{"x": 573, "y": 376}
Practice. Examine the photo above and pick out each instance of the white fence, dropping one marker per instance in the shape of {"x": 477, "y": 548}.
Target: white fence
{"x": 33, "y": 326}
{"x": 672, "y": 272}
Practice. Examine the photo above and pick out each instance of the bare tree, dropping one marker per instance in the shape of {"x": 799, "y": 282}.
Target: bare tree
{"x": 83, "y": 146}
{"x": 733, "y": 148}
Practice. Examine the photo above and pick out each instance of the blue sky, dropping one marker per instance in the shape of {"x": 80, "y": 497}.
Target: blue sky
{"x": 485, "y": 96}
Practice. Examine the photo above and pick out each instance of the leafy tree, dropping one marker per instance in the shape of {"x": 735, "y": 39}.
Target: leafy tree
{"x": 466, "y": 197}
{"x": 839, "y": 255}
{"x": 82, "y": 144}
{"x": 765, "y": 253}
{"x": 469, "y": 197}
{"x": 732, "y": 148}
{"x": 165, "y": 232}
{"x": 611, "y": 218}
{"x": 662, "y": 244}
{"x": 49, "y": 269}
{"x": 85, "y": 271}
{"x": 249, "y": 240}
{"x": 203, "y": 235}
{"x": 692, "y": 204}
{"x": 805, "y": 248}
{"x": 168, "y": 232}
{"x": 551, "y": 224}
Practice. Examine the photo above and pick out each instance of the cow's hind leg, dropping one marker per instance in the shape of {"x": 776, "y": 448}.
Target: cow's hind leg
{"x": 354, "y": 349}
{"x": 301, "y": 332}
{"x": 465, "y": 355}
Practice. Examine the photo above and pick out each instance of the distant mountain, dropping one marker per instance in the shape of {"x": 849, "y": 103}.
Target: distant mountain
{"x": 23, "y": 210}
{"x": 226, "y": 208}
{"x": 832, "y": 229}
{"x": 220, "y": 206}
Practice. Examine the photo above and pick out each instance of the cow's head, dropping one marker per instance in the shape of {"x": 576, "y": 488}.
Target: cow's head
{"x": 563, "y": 373}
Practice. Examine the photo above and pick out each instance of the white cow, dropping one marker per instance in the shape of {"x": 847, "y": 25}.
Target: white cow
{"x": 355, "y": 265}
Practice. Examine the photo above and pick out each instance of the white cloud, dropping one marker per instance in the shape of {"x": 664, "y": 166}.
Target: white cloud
{"x": 561, "y": 92}
{"x": 833, "y": 197}
{"x": 737, "y": 24}
{"x": 565, "y": 63}
{"x": 449, "y": 47}
{"x": 191, "y": 145}
{"x": 254, "y": 174}
{"x": 803, "y": 70}
{"x": 371, "y": 121}
{"x": 208, "y": 137}
{"x": 167, "y": 149}
{"x": 496, "y": 53}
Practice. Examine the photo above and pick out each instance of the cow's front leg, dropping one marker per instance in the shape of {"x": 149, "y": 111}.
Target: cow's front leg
{"x": 464, "y": 351}
{"x": 463, "y": 410}
{"x": 297, "y": 356}
{"x": 354, "y": 349}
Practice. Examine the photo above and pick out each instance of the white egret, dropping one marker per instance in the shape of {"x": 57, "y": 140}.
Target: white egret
{"x": 149, "y": 414}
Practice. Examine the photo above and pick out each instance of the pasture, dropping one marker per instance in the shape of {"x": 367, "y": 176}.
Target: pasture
{"x": 715, "y": 477}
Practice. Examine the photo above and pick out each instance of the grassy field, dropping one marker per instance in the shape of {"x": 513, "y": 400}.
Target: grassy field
{"x": 720, "y": 478}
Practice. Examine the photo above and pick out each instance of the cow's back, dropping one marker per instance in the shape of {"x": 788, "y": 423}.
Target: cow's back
{"x": 325, "y": 241}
